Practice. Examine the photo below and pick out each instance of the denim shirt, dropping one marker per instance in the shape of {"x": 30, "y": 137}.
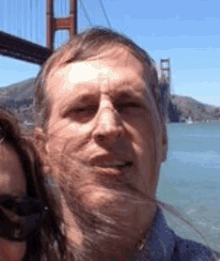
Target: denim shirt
{"x": 165, "y": 245}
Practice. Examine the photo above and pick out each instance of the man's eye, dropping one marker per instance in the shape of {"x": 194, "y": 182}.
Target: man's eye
{"x": 78, "y": 110}
{"x": 89, "y": 109}
{"x": 83, "y": 112}
{"x": 128, "y": 105}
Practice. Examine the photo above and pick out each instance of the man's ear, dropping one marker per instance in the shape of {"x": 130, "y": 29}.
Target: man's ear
{"x": 40, "y": 141}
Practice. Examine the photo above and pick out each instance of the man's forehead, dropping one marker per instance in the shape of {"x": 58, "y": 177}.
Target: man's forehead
{"x": 88, "y": 73}
{"x": 115, "y": 56}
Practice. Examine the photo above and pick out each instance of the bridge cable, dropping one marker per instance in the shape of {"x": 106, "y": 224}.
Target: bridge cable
{"x": 16, "y": 18}
{"x": 36, "y": 23}
{"x": 65, "y": 32}
{"x": 6, "y": 19}
{"x": 30, "y": 1}
{"x": 13, "y": 9}
{"x": 34, "y": 20}
{"x": 19, "y": 25}
{"x": 11, "y": 24}
{"x": 39, "y": 24}
{"x": 63, "y": 15}
{"x": 65, "y": 12}
{"x": 61, "y": 32}
{"x": 11, "y": 15}
{"x": 62, "y": 3}
{"x": 26, "y": 19}
{"x": 105, "y": 14}
{"x": 85, "y": 13}
{"x": 20, "y": 22}
{"x": 58, "y": 32}
{"x": 2, "y": 20}
{"x": 65, "y": 7}
{"x": 23, "y": 20}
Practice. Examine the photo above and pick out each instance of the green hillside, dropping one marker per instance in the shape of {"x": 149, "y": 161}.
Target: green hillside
{"x": 198, "y": 111}
{"x": 18, "y": 91}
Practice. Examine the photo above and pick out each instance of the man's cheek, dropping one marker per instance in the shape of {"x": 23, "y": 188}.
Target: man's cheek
{"x": 146, "y": 160}
{"x": 63, "y": 145}
{"x": 54, "y": 146}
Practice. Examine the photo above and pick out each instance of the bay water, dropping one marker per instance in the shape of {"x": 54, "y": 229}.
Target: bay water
{"x": 190, "y": 180}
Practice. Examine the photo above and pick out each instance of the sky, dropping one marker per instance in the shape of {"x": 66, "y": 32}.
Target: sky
{"x": 186, "y": 31}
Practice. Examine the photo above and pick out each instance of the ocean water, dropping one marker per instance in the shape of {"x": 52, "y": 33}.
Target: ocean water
{"x": 190, "y": 181}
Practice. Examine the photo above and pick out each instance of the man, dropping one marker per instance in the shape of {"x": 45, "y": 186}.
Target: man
{"x": 103, "y": 137}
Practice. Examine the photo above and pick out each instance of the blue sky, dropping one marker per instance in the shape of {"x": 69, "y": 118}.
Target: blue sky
{"x": 186, "y": 31}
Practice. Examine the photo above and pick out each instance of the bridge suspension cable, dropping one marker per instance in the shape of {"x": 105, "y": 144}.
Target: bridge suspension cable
{"x": 23, "y": 30}
{"x": 85, "y": 13}
{"x": 23, "y": 18}
{"x": 105, "y": 14}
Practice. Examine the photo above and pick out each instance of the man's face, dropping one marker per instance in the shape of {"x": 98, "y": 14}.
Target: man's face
{"x": 103, "y": 115}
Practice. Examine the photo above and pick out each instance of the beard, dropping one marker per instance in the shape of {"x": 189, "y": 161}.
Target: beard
{"x": 107, "y": 211}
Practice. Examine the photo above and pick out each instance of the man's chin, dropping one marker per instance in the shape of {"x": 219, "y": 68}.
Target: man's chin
{"x": 107, "y": 212}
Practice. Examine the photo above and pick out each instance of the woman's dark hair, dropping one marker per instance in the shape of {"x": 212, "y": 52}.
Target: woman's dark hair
{"x": 48, "y": 243}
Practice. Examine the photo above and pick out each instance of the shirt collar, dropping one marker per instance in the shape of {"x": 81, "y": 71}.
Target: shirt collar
{"x": 162, "y": 241}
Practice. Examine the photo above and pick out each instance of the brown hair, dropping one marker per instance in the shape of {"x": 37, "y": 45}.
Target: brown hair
{"x": 43, "y": 244}
{"x": 84, "y": 46}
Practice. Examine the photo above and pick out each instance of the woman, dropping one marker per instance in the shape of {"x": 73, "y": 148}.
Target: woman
{"x": 29, "y": 228}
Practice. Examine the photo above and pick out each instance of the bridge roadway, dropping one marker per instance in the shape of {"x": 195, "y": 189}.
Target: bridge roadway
{"x": 15, "y": 47}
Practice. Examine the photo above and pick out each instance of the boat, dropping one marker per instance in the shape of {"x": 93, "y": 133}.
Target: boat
{"x": 189, "y": 120}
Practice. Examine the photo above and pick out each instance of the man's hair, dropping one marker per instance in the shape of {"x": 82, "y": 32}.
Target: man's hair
{"x": 87, "y": 45}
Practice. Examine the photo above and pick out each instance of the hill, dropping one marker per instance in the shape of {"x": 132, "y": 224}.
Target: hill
{"x": 18, "y": 91}
{"x": 19, "y": 98}
{"x": 188, "y": 107}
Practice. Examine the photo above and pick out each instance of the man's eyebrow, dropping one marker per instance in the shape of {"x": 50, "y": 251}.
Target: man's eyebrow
{"x": 128, "y": 95}
{"x": 126, "y": 85}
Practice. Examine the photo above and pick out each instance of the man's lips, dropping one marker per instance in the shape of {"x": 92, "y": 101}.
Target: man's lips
{"x": 109, "y": 161}
{"x": 114, "y": 164}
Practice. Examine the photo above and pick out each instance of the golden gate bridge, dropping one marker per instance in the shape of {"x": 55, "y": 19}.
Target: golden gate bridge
{"x": 22, "y": 29}
{"x": 18, "y": 47}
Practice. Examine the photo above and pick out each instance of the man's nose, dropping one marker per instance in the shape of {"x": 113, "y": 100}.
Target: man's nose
{"x": 109, "y": 126}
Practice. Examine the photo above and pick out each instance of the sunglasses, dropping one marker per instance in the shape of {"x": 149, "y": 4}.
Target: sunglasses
{"x": 21, "y": 219}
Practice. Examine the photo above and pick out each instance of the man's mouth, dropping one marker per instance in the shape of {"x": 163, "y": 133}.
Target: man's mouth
{"x": 112, "y": 168}
{"x": 108, "y": 163}
{"x": 115, "y": 164}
